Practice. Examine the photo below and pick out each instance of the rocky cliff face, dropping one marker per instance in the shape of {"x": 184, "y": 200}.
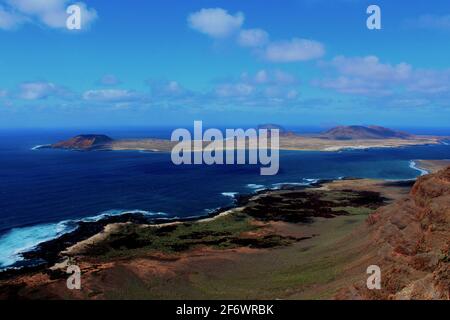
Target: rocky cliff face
{"x": 84, "y": 142}
{"x": 410, "y": 241}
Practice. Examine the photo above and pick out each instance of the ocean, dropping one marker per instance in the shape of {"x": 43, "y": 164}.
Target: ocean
{"x": 43, "y": 193}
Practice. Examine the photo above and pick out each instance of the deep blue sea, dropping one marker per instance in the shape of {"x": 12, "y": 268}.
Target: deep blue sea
{"x": 43, "y": 192}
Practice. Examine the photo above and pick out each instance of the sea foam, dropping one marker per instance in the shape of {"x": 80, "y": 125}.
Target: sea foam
{"x": 413, "y": 165}
{"x": 40, "y": 147}
{"x": 16, "y": 241}
{"x": 19, "y": 240}
{"x": 305, "y": 182}
{"x": 230, "y": 194}
{"x": 255, "y": 186}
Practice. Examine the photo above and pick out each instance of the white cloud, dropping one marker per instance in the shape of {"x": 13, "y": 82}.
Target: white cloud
{"x": 355, "y": 86}
{"x": 260, "y": 88}
{"x": 111, "y": 95}
{"x": 402, "y": 102}
{"x": 41, "y": 90}
{"x": 253, "y": 38}
{"x": 370, "y": 67}
{"x": 109, "y": 80}
{"x": 88, "y": 15}
{"x": 280, "y": 92}
{"x": 262, "y": 76}
{"x": 366, "y": 75}
{"x": 216, "y": 23}
{"x": 234, "y": 90}
{"x": 430, "y": 82}
{"x": 9, "y": 20}
{"x": 274, "y": 77}
{"x": 255, "y": 88}
{"x": 51, "y": 13}
{"x": 168, "y": 89}
{"x": 433, "y": 22}
{"x": 369, "y": 76}
{"x": 173, "y": 86}
{"x": 294, "y": 50}
{"x": 292, "y": 94}
{"x": 3, "y": 93}
{"x": 284, "y": 77}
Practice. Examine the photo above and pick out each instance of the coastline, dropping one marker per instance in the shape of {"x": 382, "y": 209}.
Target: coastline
{"x": 295, "y": 225}
{"x": 431, "y": 166}
{"x": 45, "y": 254}
{"x": 413, "y": 165}
{"x": 47, "y": 251}
{"x": 286, "y": 143}
{"x": 89, "y": 231}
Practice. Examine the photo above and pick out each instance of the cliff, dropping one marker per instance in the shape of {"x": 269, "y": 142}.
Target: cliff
{"x": 410, "y": 241}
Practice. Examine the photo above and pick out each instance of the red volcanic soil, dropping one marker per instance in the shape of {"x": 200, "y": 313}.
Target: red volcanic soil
{"x": 410, "y": 241}
{"x": 84, "y": 142}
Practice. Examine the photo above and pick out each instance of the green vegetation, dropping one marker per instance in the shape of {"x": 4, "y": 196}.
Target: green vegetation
{"x": 307, "y": 230}
{"x": 222, "y": 233}
{"x": 354, "y": 210}
{"x": 232, "y": 230}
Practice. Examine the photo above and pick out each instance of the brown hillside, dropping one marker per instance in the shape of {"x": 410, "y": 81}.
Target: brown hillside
{"x": 84, "y": 142}
{"x": 410, "y": 241}
{"x": 362, "y": 132}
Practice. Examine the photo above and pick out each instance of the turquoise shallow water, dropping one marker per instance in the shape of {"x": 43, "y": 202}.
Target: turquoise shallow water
{"x": 44, "y": 192}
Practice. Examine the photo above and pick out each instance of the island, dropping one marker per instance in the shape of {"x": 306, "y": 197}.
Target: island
{"x": 306, "y": 242}
{"x": 336, "y": 139}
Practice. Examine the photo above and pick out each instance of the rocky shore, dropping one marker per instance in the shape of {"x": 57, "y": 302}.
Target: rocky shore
{"x": 305, "y": 242}
{"x": 50, "y": 252}
{"x": 267, "y": 220}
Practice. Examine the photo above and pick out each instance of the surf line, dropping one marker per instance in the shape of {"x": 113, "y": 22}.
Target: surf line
{"x": 413, "y": 165}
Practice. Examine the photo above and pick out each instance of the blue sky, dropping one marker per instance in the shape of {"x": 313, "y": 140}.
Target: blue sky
{"x": 293, "y": 62}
